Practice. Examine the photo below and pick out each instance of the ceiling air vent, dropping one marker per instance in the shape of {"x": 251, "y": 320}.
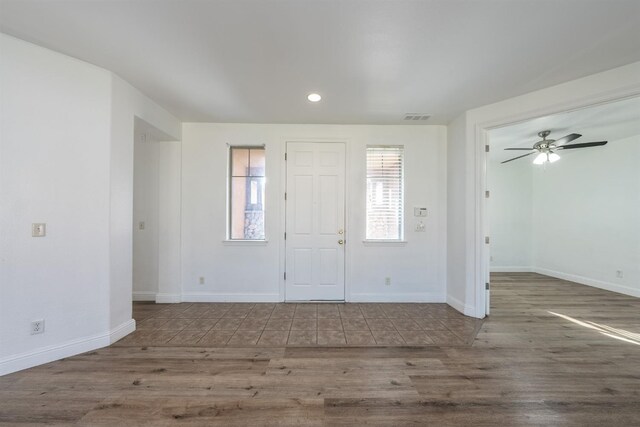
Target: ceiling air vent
{"x": 416, "y": 116}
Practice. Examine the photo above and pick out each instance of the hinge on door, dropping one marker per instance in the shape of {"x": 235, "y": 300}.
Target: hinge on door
{"x": 285, "y": 275}
{"x": 486, "y": 240}
{"x": 486, "y": 286}
{"x": 487, "y": 194}
{"x": 285, "y": 235}
{"x": 285, "y": 196}
{"x": 285, "y": 156}
{"x": 486, "y": 148}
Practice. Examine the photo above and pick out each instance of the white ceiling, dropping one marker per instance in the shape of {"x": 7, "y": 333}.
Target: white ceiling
{"x": 372, "y": 61}
{"x": 605, "y": 122}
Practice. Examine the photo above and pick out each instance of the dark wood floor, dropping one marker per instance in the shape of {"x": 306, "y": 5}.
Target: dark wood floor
{"x": 551, "y": 353}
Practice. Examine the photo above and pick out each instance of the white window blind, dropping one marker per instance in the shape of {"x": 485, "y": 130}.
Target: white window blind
{"x": 385, "y": 192}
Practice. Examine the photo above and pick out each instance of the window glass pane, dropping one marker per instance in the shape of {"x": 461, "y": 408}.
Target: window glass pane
{"x": 247, "y": 208}
{"x": 247, "y": 194}
{"x": 385, "y": 198}
{"x": 239, "y": 161}
{"x": 254, "y": 192}
{"x": 256, "y": 163}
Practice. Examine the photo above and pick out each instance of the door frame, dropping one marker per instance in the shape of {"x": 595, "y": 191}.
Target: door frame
{"x": 283, "y": 210}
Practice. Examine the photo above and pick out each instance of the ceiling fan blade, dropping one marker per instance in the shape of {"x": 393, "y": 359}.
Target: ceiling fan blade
{"x": 566, "y": 139}
{"x": 519, "y": 149}
{"x": 519, "y": 157}
{"x": 583, "y": 145}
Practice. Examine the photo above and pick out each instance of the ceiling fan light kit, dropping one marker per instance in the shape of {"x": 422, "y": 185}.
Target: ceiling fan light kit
{"x": 546, "y": 147}
{"x": 546, "y": 157}
{"x": 552, "y": 157}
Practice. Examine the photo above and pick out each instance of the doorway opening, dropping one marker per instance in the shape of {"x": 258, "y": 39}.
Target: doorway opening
{"x": 156, "y": 215}
{"x": 572, "y": 218}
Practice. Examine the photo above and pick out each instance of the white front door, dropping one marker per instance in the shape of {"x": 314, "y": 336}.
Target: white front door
{"x": 315, "y": 217}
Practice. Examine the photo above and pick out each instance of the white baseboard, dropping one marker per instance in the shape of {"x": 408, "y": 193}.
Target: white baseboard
{"x": 607, "y": 286}
{"x": 510, "y": 269}
{"x": 144, "y": 296}
{"x": 168, "y": 298}
{"x": 456, "y": 304}
{"x": 216, "y": 297}
{"x": 122, "y": 331}
{"x": 59, "y": 351}
{"x": 398, "y": 297}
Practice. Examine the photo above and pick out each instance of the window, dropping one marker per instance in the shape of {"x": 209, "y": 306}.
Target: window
{"x": 246, "y": 193}
{"x": 385, "y": 192}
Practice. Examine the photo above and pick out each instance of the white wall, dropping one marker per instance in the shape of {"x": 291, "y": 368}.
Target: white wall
{"x": 66, "y": 160}
{"x": 586, "y": 216}
{"x": 254, "y": 272}
{"x": 510, "y": 211}
{"x": 127, "y": 103}
{"x": 145, "y": 209}
{"x": 459, "y": 263}
{"x": 54, "y": 168}
{"x": 169, "y": 221}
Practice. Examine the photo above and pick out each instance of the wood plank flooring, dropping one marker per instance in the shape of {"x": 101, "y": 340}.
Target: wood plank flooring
{"x": 551, "y": 353}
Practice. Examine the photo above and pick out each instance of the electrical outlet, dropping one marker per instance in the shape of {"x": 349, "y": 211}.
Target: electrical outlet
{"x": 141, "y": 225}
{"x": 37, "y": 327}
{"x": 421, "y": 227}
{"x": 201, "y": 280}
{"x": 619, "y": 274}
{"x": 387, "y": 281}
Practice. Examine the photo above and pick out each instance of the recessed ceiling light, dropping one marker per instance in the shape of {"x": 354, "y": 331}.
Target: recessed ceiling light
{"x": 314, "y": 97}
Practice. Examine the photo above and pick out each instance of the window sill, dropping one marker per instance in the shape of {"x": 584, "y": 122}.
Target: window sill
{"x": 384, "y": 242}
{"x": 234, "y": 242}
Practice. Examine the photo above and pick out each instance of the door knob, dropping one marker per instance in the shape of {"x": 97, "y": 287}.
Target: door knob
{"x": 341, "y": 242}
{"x": 341, "y": 231}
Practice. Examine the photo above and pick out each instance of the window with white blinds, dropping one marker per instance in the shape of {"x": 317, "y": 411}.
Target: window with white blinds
{"x": 385, "y": 192}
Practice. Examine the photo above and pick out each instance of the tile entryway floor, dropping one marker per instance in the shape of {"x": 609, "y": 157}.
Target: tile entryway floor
{"x": 299, "y": 325}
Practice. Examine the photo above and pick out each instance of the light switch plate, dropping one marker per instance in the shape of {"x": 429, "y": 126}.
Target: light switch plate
{"x": 420, "y": 212}
{"x": 38, "y": 229}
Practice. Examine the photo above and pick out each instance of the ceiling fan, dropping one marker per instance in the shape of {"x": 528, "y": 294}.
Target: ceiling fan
{"x": 546, "y": 149}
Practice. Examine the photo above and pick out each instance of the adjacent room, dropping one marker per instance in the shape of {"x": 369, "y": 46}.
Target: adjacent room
{"x": 563, "y": 202}
{"x": 287, "y": 212}
{"x": 573, "y": 217}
